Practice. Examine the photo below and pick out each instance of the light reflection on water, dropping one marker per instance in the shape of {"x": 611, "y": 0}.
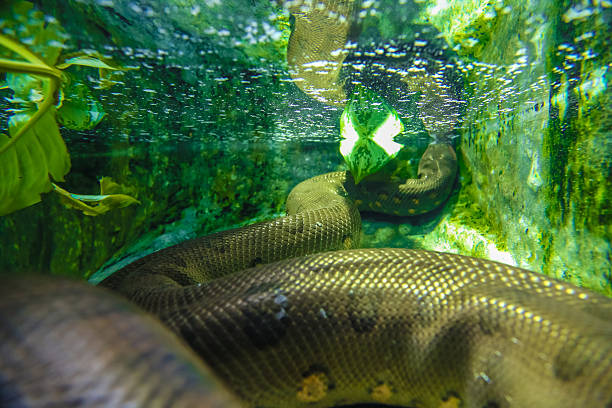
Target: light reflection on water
{"x": 191, "y": 84}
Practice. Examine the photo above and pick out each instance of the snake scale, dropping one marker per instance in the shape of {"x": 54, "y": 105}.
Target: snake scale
{"x": 287, "y": 313}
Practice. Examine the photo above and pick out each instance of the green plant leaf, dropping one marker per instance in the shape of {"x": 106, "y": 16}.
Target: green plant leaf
{"x": 368, "y": 127}
{"x": 102, "y": 203}
{"x": 80, "y": 110}
{"x": 27, "y": 164}
{"x": 26, "y": 88}
{"x": 108, "y": 70}
{"x": 89, "y": 61}
{"x": 108, "y": 186}
{"x": 35, "y": 151}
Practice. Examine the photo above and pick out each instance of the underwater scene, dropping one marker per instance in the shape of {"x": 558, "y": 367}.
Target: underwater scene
{"x": 305, "y": 203}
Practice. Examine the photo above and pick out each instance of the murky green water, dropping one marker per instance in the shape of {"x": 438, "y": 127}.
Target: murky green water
{"x": 210, "y": 130}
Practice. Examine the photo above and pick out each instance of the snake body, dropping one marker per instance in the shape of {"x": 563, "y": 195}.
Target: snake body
{"x": 395, "y": 326}
{"x": 287, "y": 313}
{"x": 68, "y": 344}
{"x": 410, "y": 328}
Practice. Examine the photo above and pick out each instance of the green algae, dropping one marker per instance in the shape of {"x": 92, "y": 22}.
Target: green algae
{"x": 538, "y": 152}
{"x": 579, "y": 137}
{"x": 579, "y": 143}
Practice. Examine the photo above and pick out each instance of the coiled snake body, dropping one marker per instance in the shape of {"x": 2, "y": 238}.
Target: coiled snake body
{"x": 343, "y": 326}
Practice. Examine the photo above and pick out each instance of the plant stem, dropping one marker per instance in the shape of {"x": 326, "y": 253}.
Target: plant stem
{"x": 22, "y": 67}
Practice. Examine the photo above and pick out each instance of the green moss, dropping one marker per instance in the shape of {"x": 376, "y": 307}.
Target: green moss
{"x": 539, "y": 183}
{"x": 576, "y": 139}
{"x": 274, "y": 49}
{"x": 468, "y": 26}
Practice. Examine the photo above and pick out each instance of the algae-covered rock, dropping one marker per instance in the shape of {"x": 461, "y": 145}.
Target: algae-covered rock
{"x": 538, "y": 146}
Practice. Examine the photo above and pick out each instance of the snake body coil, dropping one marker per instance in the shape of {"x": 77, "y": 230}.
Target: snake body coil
{"x": 344, "y": 326}
{"x": 403, "y": 327}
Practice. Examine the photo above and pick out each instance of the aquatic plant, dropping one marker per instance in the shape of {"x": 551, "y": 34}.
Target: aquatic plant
{"x": 108, "y": 199}
{"x": 34, "y": 152}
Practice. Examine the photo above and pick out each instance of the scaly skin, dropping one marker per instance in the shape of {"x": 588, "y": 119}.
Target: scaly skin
{"x": 394, "y": 326}
{"x": 397, "y": 326}
{"x": 322, "y": 215}
{"x": 403, "y": 327}
{"x": 68, "y": 344}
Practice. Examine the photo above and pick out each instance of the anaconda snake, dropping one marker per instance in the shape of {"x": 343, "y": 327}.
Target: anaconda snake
{"x": 394, "y": 326}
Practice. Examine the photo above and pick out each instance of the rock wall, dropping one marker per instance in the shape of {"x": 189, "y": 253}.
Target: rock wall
{"x": 537, "y": 141}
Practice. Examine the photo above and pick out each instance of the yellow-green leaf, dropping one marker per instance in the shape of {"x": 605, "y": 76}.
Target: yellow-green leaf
{"x": 35, "y": 152}
{"x": 107, "y": 69}
{"x": 27, "y": 164}
{"x": 94, "y": 60}
{"x": 102, "y": 203}
{"x": 108, "y": 186}
{"x": 88, "y": 61}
